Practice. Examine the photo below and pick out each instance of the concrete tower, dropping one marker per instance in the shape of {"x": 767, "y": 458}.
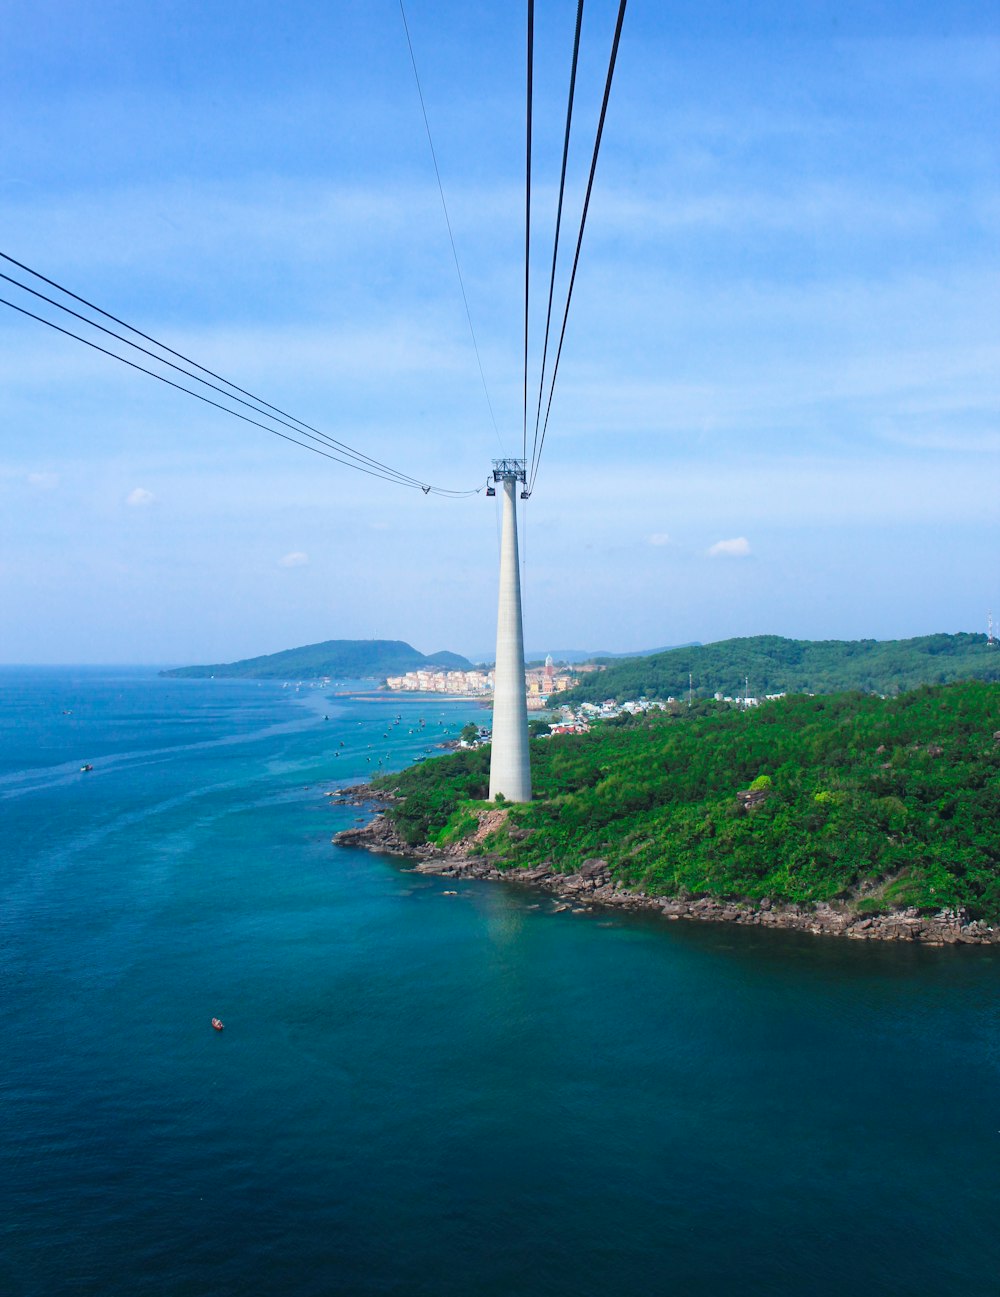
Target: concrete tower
{"x": 510, "y": 770}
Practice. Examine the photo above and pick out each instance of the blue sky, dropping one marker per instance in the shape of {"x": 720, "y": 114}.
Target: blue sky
{"x": 778, "y": 404}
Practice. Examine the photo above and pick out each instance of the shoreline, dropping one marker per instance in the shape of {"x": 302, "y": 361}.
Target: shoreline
{"x": 380, "y": 695}
{"x": 592, "y": 886}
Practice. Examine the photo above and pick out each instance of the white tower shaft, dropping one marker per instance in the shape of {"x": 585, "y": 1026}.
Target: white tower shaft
{"x": 510, "y": 770}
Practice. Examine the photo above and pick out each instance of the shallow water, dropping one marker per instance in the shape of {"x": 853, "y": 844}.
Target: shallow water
{"x": 431, "y": 1094}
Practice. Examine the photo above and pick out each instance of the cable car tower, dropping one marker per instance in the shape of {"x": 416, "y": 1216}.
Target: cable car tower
{"x": 510, "y": 769}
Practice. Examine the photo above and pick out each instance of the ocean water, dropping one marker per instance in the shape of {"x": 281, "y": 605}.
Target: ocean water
{"x": 419, "y": 1093}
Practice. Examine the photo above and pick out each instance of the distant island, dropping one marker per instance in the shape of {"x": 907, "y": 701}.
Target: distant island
{"x": 354, "y": 659}
{"x": 769, "y": 664}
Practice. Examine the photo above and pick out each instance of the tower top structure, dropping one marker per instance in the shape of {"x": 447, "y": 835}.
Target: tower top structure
{"x": 509, "y": 470}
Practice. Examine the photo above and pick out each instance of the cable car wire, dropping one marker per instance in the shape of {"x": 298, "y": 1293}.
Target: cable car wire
{"x": 559, "y": 211}
{"x": 311, "y": 434}
{"x": 199, "y": 396}
{"x": 527, "y": 210}
{"x": 579, "y": 240}
{"x": 305, "y": 427}
{"x": 341, "y": 452}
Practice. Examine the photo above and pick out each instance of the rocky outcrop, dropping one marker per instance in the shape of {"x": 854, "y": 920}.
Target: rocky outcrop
{"x": 361, "y": 795}
{"x": 489, "y": 822}
{"x": 750, "y": 798}
{"x": 593, "y": 885}
{"x": 377, "y": 835}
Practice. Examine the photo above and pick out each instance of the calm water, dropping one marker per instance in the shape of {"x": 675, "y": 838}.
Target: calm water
{"x": 427, "y": 1094}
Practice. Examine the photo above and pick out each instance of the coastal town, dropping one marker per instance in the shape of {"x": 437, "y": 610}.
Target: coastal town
{"x": 539, "y": 682}
{"x": 541, "y": 685}
{"x": 578, "y": 718}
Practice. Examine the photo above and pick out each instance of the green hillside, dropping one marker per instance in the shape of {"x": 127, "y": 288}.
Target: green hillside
{"x": 878, "y": 802}
{"x": 775, "y": 665}
{"x": 356, "y": 659}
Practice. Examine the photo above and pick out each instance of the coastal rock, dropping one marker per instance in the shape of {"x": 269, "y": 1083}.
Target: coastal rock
{"x": 377, "y": 835}
{"x": 595, "y": 872}
{"x": 594, "y": 882}
{"x": 360, "y": 795}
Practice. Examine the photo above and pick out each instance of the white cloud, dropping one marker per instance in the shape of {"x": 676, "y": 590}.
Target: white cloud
{"x": 44, "y": 481}
{"x": 295, "y": 559}
{"x": 738, "y": 547}
{"x": 659, "y": 538}
{"x": 139, "y": 497}
{"x": 813, "y": 205}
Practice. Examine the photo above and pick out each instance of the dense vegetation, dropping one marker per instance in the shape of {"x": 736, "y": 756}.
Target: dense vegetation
{"x": 774, "y": 665}
{"x": 882, "y": 802}
{"x": 357, "y": 659}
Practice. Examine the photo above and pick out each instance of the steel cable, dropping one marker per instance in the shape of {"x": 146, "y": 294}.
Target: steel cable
{"x": 527, "y": 210}
{"x": 313, "y": 436}
{"x": 559, "y": 211}
{"x": 579, "y": 240}
{"x": 426, "y": 488}
{"x": 187, "y": 359}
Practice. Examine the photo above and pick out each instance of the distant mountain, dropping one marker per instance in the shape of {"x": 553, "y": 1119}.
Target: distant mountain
{"x": 597, "y": 655}
{"x": 353, "y": 659}
{"x": 769, "y": 664}
{"x": 640, "y": 653}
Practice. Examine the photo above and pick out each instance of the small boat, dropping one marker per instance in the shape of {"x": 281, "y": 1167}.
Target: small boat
{"x": 85, "y": 767}
{"x": 218, "y": 1024}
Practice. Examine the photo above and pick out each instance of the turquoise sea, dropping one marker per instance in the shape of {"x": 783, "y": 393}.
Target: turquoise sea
{"x": 418, "y": 1093}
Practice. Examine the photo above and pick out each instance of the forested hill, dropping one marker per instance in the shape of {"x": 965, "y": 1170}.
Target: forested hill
{"x": 875, "y": 802}
{"x": 356, "y": 659}
{"x": 775, "y": 665}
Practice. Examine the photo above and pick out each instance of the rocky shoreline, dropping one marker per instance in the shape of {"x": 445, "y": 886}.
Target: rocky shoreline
{"x": 592, "y": 886}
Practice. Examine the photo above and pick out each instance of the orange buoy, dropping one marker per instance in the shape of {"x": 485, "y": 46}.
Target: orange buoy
{"x": 217, "y": 1024}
